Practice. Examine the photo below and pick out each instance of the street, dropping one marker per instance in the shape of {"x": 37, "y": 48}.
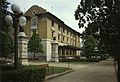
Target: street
{"x": 97, "y": 72}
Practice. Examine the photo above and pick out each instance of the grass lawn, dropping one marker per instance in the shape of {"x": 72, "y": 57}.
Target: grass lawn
{"x": 54, "y": 70}
{"x": 76, "y": 62}
{"x": 51, "y": 69}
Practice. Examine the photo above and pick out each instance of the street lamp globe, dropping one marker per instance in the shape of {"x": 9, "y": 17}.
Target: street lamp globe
{"x": 9, "y": 20}
{"x": 22, "y": 21}
{"x": 15, "y": 8}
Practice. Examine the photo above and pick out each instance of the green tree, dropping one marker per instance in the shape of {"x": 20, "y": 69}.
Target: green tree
{"x": 103, "y": 16}
{"x": 7, "y": 45}
{"x": 6, "y": 42}
{"x": 90, "y": 46}
{"x": 34, "y": 44}
{"x": 3, "y": 12}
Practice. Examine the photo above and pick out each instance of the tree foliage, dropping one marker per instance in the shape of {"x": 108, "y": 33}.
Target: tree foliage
{"x": 6, "y": 42}
{"x": 90, "y": 46}
{"x": 34, "y": 44}
{"x": 3, "y": 12}
{"x": 7, "y": 45}
{"x": 101, "y": 16}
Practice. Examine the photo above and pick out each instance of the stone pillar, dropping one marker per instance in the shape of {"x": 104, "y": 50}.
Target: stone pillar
{"x": 77, "y": 53}
{"x": 69, "y": 52}
{"x": 54, "y": 54}
{"x": 23, "y": 48}
{"x": 65, "y": 52}
{"x": 60, "y": 52}
{"x": 47, "y": 49}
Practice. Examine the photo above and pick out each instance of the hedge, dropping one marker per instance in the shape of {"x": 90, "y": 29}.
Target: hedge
{"x": 24, "y": 74}
{"x": 79, "y": 60}
{"x": 69, "y": 60}
{"x": 6, "y": 67}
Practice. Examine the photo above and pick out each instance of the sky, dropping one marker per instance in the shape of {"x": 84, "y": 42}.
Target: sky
{"x": 63, "y": 9}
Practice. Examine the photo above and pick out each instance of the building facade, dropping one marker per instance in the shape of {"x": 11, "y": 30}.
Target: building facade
{"x": 58, "y": 39}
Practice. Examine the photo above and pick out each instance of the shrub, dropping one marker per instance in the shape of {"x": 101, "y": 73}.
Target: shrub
{"x": 79, "y": 60}
{"x": 69, "y": 60}
{"x": 6, "y": 67}
{"x": 92, "y": 60}
{"x": 24, "y": 74}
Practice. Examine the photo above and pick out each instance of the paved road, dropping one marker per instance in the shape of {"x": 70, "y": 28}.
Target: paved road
{"x": 99, "y": 72}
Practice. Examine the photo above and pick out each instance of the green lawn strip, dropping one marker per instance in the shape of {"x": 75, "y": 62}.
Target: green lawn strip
{"x": 76, "y": 62}
{"x": 80, "y": 62}
{"x": 55, "y": 70}
{"x": 51, "y": 69}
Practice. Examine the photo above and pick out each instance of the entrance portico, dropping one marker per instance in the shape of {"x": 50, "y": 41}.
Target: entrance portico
{"x": 68, "y": 51}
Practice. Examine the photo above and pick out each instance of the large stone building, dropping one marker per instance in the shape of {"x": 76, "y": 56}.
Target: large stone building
{"x": 58, "y": 39}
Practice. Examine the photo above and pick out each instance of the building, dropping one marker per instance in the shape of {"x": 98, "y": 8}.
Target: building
{"x": 58, "y": 39}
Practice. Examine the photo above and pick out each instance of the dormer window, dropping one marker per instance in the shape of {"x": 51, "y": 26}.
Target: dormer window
{"x": 34, "y": 23}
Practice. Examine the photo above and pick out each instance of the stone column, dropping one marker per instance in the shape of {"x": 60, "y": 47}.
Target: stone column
{"x": 54, "y": 54}
{"x": 69, "y": 52}
{"x": 47, "y": 49}
{"x": 60, "y": 52}
{"x": 23, "y": 48}
{"x": 77, "y": 53}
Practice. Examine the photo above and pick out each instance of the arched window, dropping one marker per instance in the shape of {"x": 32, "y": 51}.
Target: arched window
{"x": 34, "y": 23}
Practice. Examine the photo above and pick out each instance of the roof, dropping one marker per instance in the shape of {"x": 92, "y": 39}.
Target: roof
{"x": 48, "y": 14}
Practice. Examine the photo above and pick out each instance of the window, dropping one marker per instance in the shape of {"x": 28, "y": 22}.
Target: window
{"x": 67, "y": 32}
{"x": 52, "y": 23}
{"x": 58, "y": 36}
{"x": 67, "y": 39}
{"x": 52, "y": 34}
{"x": 63, "y": 30}
{"x": 59, "y": 27}
{"x": 34, "y": 23}
{"x": 63, "y": 38}
{"x": 63, "y": 52}
{"x": 34, "y": 12}
{"x": 67, "y": 52}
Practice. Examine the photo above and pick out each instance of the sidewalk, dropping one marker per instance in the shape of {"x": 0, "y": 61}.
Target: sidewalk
{"x": 58, "y": 74}
{"x": 57, "y": 64}
{"x": 103, "y": 71}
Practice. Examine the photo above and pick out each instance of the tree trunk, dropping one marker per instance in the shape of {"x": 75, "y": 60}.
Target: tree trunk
{"x": 118, "y": 60}
{"x": 0, "y": 56}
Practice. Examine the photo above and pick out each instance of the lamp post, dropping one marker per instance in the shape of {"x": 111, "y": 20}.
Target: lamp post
{"x": 16, "y": 19}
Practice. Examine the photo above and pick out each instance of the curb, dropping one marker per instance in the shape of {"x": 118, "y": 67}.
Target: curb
{"x": 59, "y": 74}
